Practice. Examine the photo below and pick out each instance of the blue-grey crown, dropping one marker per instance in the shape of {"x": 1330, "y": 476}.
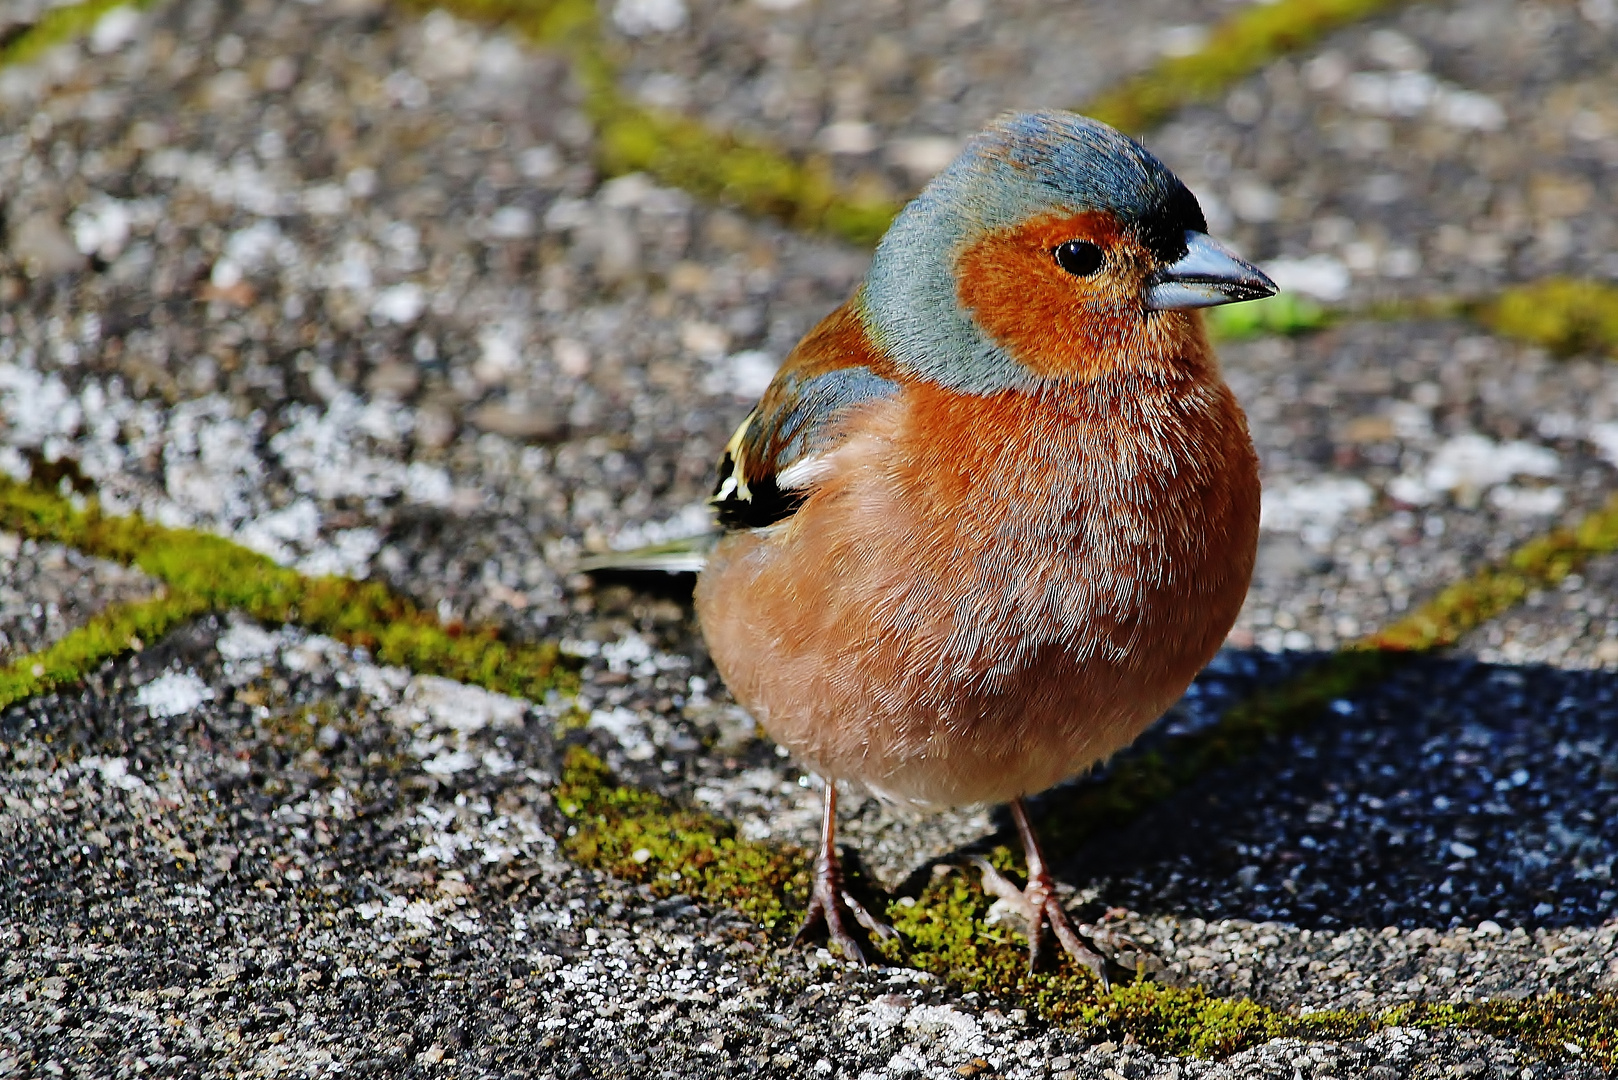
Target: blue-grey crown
{"x": 1091, "y": 165}
{"x": 1023, "y": 165}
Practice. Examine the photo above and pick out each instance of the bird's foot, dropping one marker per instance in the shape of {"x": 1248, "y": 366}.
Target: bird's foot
{"x": 828, "y": 902}
{"x": 1038, "y": 905}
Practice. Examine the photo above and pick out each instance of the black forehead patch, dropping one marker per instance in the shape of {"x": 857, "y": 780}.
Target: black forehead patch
{"x": 1162, "y": 231}
{"x": 1086, "y": 163}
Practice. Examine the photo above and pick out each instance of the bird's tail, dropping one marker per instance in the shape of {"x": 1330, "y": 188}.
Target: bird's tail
{"x": 687, "y": 555}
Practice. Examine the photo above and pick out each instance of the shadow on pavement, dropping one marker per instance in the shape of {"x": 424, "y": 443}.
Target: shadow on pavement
{"x": 1455, "y": 793}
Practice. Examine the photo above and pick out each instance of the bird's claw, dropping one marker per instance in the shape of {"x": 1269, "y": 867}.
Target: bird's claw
{"x": 1038, "y": 905}
{"x": 1124, "y": 950}
{"x": 827, "y": 902}
{"x": 872, "y": 924}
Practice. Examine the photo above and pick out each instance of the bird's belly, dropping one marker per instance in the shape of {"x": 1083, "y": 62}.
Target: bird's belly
{"x": 985, "y": 680}
{"x": 944, "y": 642}
{"x": 997, "y": 728}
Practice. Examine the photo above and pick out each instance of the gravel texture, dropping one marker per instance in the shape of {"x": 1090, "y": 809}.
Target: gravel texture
{"x": 341, "y": 283}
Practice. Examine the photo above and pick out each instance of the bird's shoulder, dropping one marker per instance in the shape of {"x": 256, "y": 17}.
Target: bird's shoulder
{"x": 778, "y": 454}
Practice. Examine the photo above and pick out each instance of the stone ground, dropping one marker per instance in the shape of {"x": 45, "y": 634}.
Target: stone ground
{"x": 340, "y": 282}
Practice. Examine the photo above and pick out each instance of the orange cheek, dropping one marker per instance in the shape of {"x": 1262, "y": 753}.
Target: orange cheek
{"x": 1050, "y": 322}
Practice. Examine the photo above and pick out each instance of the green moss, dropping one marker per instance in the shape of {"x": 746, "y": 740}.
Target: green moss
{"x": 1537, "y": 564}
{"x": 1285, "y": 313}
{"x": 116, "y": 630}
{"x": 59, "y": 25}
{"x": 1565, "y": 315}
{"x": 946, "y": 932}
{"x": 745, "y": 173}
{"x": 1191, "y": 1022}
{"x": 1558, "y": 1025}
{"x": 641, "y": 837}
{"x": 1235, "y": 48}
{"x": 1568, "y": 316}
{"x": 212, "y": 572}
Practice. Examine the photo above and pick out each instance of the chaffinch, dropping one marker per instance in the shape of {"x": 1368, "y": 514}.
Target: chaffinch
{"x": 997, "y": 510}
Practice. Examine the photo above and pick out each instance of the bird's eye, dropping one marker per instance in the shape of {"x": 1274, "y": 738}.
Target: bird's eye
{"x": 1078, "y": 257}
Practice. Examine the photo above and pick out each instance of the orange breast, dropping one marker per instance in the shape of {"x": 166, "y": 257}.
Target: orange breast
{"x": 990, "y": 594}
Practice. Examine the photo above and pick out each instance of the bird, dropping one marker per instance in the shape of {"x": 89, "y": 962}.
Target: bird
{"x": 996, "y": 510}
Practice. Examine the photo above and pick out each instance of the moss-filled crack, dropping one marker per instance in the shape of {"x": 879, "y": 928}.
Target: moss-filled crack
{"x": 115, "y": 630}
{"x": 1562, "y": 314}
{"x": 1566, "y": 316}
{"x": 1540, "y": 563}
{"x": 641, "y": 837}
{"x": 57, "y": 26}
{"x": 746, "y": 172}
{"x": 217, "y": 574}
{"x": 1233, "y": 50}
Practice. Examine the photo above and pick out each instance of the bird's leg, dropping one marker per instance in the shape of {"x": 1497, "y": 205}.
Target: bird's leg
{"x": 1037, "y": 903}
{"x": 828, "y": 898}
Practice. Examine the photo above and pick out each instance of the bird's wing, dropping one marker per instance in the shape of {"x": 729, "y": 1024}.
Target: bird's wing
{"x": 779, "y": 452}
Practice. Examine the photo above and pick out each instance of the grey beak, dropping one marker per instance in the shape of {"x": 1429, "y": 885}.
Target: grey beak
{"x": 1209, "y": 274}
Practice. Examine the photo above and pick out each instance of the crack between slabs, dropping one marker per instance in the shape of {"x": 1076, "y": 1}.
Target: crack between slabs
{"x": 1234, "y": 49}
{"x": 223, "y": 576}
{"x": 58, "y": 26}
{"x": 117, "y": 629}
{"x": 1564, "y": 315}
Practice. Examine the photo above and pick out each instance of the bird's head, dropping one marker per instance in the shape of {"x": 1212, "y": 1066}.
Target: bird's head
{"x": 1053, "y": 248}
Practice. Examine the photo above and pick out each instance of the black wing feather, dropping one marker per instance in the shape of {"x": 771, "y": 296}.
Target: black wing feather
{"x": 796, "y": 419}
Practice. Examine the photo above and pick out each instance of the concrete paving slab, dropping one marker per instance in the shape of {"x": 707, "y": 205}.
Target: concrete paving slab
{"x": 342, "y": 283}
